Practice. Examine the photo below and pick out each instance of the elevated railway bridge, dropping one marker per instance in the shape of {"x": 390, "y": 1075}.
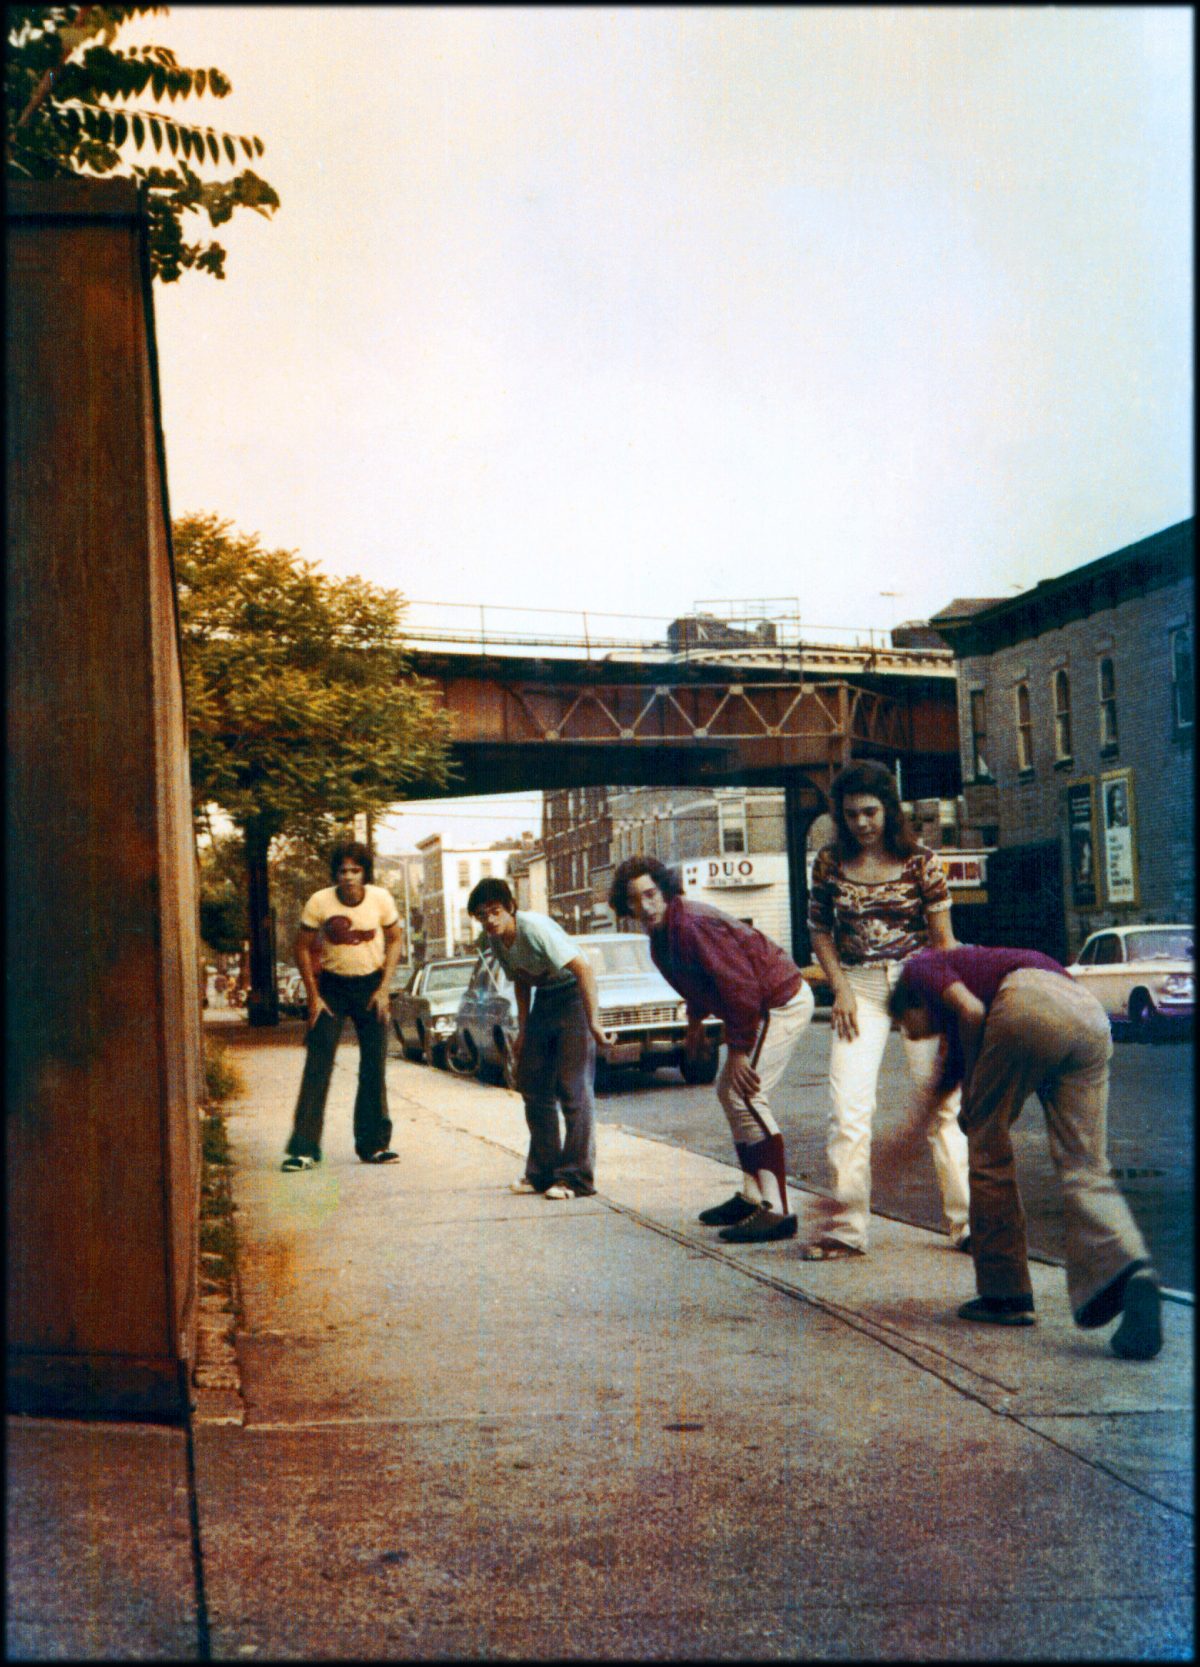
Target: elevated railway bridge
{"x": 564, "y": 711}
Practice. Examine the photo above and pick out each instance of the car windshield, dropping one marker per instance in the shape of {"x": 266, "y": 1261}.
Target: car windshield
{"x": 448, "y": 978}
{"x": 622, "y": 957}
{"x": 1162, "y": 943}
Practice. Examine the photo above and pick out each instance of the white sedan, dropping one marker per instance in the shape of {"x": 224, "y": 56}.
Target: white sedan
{"x": 1140, "y": 974}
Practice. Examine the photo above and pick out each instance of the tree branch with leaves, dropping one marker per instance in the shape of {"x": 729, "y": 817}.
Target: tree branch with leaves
{"x": 71, "y": 109}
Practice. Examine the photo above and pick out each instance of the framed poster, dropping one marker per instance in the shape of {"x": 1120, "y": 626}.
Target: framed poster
{"x": 1081, "y": 843}
{"x": 1120, "y": 830}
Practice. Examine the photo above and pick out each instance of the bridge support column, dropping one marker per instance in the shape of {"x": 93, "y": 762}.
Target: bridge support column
{"x": 801, "y": 806}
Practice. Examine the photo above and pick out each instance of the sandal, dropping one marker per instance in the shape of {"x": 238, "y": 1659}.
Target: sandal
{"x": 828, "y": 1250}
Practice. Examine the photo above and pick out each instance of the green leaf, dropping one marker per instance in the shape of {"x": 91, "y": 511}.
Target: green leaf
{"x": 213, "y": 150}
{"x": 258, "y": 145}
{"x": 139, "y": 131}
{"x": 156, "y": 132}
{"x": 247, "y": 147}
{"x": 172, "y": 137}
{"x": 120, "y": 128}
{"x": 230, "y": 151}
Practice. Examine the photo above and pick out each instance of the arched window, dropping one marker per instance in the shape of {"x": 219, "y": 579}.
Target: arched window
{"x": 1062, "y": 715}
{"x": 1024, "y": 729}
{"x": 1108, "y": 703}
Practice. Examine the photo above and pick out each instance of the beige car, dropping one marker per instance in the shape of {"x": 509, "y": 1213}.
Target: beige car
{"x": 1142, "y": 976}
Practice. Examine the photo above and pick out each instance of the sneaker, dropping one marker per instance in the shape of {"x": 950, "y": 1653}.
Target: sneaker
{"x": 728, "y": 1214}
{"x": 384, "y": 1156}
{"x": 1139, "y": 1335}
{"x": 558, "y": 1190}
{"x": 999, "y": 1310}
{"x": 763, "y": 1225}
{"x": 296, "y": 1161}
{"x": 522, "y": 1184}
{"x": 964, "y": 1245}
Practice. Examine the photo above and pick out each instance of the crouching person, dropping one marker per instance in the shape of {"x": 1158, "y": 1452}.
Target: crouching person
{"x": 722, "y": 966}
{"x": 1015, "y": 1025}
{"x": 555, "y": 1047}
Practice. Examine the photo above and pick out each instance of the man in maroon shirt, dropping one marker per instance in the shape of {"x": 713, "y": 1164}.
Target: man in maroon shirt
{"x": 1016, "y": 1024}
{"x": 724, "y": 967}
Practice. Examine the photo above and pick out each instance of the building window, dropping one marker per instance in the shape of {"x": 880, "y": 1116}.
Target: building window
{"x": 979, "y": 768}
{"x": 464, "y": 873}
{"x": 1183, "y": 696}
{"x": 1108, "y": 704}
{"x": 1024, "y": 729}
{"x": 485, "y": 868}
{"x": 731, "y": 820}
{"x": 1062, "y": 715}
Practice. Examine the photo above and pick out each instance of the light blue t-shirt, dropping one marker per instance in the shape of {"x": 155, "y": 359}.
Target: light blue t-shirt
{"x": 540, "y": 950}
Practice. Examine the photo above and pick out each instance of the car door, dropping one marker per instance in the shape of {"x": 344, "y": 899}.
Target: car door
{"x": 1104, "y": 973}
{"x": 408, "y": 1009}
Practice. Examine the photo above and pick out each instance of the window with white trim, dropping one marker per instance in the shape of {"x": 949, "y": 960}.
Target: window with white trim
{"x": 1107, "y": 677}
{"x": 1061, "y": 684}
{"x": 731, "y": 820}
{"x": 1024, "y": 729}
{"x": 979, "y": 767}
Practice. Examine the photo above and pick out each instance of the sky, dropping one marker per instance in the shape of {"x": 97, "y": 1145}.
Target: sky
{"x": 618, "y": 309}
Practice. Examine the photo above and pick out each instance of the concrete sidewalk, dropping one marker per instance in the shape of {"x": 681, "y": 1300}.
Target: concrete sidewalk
{"x": 471, "y": 1424}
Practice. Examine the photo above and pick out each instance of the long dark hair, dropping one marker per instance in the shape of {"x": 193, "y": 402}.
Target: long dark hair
{"x": 877, "y": 780}
{"x": 633, "y": 868}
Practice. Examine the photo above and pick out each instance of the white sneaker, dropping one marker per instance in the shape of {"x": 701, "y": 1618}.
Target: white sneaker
{"x": 558, "y": 1191}
{"x": 522, "y": 1184}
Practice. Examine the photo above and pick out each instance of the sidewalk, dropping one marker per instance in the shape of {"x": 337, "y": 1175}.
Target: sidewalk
{"x": 471, "y": 1424}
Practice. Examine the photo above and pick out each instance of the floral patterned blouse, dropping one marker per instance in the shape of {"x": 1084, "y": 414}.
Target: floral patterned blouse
{"x": 883, "y": 920}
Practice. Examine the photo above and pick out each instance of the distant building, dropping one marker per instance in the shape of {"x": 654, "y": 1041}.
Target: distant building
{"x": 577, "y": 833}
{"x": 527, "y": 876}
{"x": 449, "y": 872}
{"x": 1076, "y": 718}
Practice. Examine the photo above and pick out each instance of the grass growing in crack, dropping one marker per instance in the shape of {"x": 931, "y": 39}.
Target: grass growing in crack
{"x": 223, "y": 1077}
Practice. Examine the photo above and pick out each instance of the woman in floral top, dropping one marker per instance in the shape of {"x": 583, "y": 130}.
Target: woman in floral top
{"x": 876, "y": 896}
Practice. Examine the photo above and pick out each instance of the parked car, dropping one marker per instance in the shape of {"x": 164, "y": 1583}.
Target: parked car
{"x": 1141, "y": 975}
{"x": 423, "y": 1011}
{"x": 636, "y": 1002}
{"x": 293, "y": 999}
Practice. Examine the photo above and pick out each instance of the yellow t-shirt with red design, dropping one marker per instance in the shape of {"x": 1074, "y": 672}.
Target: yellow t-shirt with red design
{"x": 351, "y": 938}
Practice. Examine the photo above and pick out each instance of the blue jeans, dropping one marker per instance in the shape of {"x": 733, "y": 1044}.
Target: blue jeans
{"x": 558, "y": 1066}
{"x": 347, "y": 998}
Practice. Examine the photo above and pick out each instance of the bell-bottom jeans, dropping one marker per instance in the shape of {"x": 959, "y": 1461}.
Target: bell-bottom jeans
{"x": 346, "y": 998}
{"x": 558, "y": 1067}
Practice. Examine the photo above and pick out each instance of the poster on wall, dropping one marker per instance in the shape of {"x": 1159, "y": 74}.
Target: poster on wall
{"x": 1120, "y": 846}
{"x": 1081, "y": 843}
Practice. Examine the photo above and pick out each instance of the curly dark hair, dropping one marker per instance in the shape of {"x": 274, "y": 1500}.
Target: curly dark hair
{"x": 865, "y": 776}
{"x": 633, "y": 868}
{"x": 353, "y": 851}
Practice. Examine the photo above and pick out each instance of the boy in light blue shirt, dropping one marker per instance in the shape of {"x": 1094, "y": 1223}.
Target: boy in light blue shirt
{"x": 554, "y": 1053}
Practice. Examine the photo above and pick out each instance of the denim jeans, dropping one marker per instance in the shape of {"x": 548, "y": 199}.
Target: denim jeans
{"x": 347, "y": 998}
{"x": 558, "y": 1065}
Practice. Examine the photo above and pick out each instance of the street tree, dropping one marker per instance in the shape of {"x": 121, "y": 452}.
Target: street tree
{"x": 303, "y": 711}
{"x": 77, "y": 104}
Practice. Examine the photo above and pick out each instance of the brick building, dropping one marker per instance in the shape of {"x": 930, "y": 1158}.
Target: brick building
{"x": 1076, "y": 704}
{"x": 577, "y": 835}
{"x": 449, "y": 874}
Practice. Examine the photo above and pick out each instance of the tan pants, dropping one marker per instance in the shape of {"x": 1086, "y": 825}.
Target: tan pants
{"x": 1045, "y": 1035}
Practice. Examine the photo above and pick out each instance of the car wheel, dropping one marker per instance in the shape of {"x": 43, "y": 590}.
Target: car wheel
{"x": 434, "y": 1054}
{"x": 702, "y": 1070}
{"x": 1142, "y": 1016}
{"x": 462, "y": 1056}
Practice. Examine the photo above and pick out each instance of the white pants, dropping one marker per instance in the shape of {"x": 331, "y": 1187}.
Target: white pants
{"x": 784, "y": 1028}
{"x": 853, "y": 1081}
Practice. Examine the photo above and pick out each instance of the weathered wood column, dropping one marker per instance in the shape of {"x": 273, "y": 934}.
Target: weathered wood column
{"x": 104, "y": 1055}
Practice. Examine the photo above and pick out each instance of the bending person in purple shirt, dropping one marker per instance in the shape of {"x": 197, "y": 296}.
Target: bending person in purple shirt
{"x": 1015, "y": 1024}
{"x": 720, "y": 965}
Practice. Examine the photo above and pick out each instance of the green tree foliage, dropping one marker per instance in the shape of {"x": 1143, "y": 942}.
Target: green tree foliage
{"x": 302, "y": 709}
{"x": 72, "y": 107}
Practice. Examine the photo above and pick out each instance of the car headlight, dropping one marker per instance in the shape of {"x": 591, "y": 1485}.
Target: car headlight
{"x": 1178, "y": 984}
{"x": 681, "y": 1012}
{"x": 444, "y": 1025}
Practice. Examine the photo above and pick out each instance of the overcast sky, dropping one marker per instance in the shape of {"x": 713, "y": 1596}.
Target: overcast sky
{"x": 620, "y": 309}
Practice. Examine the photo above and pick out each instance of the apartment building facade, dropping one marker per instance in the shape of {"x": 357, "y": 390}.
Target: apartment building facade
{"x": 1076, "y": 719}
{"x": 449, "y": 872}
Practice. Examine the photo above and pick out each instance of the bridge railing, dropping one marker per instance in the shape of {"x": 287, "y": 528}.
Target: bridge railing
{"x": 465, "y": 627}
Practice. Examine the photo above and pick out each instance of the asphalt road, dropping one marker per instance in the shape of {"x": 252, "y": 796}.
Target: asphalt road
{"x": 1150, "y": 1140}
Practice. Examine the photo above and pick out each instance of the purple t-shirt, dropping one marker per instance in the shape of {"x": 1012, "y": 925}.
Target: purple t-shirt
{"x": 931, "y": 971}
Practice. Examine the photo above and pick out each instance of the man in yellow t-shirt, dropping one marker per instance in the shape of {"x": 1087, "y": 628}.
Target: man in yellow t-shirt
{"x": 358, "y": 930}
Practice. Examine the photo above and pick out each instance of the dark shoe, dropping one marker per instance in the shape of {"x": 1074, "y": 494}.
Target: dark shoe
{"x": 763, "y": 1225}
{"x": 1107, "y": 1304}
{"x": 382, "y": 1157}
{"x": 999, "y": 1310}
{"x": 1139, "y": 1335}
{"x": 735, "y": 1209}
{"x": 964, "y": 1245}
